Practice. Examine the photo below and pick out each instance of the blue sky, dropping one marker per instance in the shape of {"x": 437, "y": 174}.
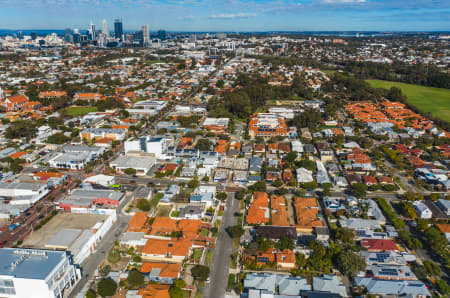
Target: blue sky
{"x": 230, "y": 15}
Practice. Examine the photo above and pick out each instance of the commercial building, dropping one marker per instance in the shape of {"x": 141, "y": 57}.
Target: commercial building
{"x": 142, "y": 164}
{"x": 91, "y": 199}
{"x": 36, "y": 273}
{"x": 266, "y": 125}
{"x": 114, "y": 134}
{"x": 23, "y": 193}
{"x": 75, "y": 157}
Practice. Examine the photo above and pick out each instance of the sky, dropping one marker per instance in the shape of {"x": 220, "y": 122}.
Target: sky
{"x": 230, "y": 15}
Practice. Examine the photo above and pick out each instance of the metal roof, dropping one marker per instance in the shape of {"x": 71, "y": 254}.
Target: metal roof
{"x": 29, "y": 263}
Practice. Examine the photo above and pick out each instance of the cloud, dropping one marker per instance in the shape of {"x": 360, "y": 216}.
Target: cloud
{"x": 231, "y": 16}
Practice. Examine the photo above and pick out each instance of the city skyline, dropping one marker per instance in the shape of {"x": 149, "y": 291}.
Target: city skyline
{"x": 231, "y": 15}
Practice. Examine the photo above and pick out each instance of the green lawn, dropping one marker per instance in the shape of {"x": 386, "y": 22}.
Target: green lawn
{"x": 154, "y": 61}
{"x": 78, "y": 111}
{"x": 197, "y": 254}
{"x": 427, "y": 99}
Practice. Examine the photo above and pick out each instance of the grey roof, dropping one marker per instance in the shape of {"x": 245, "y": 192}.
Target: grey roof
{"x": 29, "y": 263}
{"x": 393, "y": 287}
{"x": 293, "y": 285}
{"x": 359, "y": 223}
{"x": 132, "y": 236}
{"x": 64, "y": 238}
{"x": 126, "y": 161}
{"x": 329, "y": 283}
{"x": 198, "y": 210}
{"x": 82, "y": 148}
{"x": 21, "y": 185}
{"x": 268, "y": 282}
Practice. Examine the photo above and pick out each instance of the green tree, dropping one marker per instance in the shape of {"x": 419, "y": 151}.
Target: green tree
{"x": 58, "y": 138}
{"x": 285, "y": 243}
{"x": 194, "y": 183}
{"x": 113, "y": 256}
{"x": 143, "y": 205}
{"x": 222, "y": 196}
{"x": 175, "y": 292}
{"x": 359, "y": 190}
{"x": 106, "y": 287}
{"x": 236, "y": 231}
{"x": 200, "y": 272}
{"x": 91, "y": 294}
{"x": 204, "y": 145}
{"x": 350, "y": 263}
{"x": 20, "y": 129}
{"x": 290, "y": 157}
{"x": 135, "y": 278}
{"x": 277, "y": 183}
{"x": 259, "y": 186}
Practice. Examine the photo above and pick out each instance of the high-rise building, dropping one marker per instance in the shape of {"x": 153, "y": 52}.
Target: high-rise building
{"x": 68, "y": 35}
{"x": 105, "y": 28}
{"x": 145, "y": 35}
{"x": 92, "y": 32}
{"x": 118, "y": 29}
{"x": 162, "y": 34}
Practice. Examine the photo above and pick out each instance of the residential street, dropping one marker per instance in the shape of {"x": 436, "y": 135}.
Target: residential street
{"x": 91, "y": 264}
{"x": 218, "y": 274}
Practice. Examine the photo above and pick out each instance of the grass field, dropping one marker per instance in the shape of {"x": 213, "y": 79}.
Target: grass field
{"x": 154, "y": 61}
{"x": 78, "y": 111}
{"x": 427, "y": 99}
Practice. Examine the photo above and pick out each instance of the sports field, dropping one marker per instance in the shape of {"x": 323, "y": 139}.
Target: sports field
{"x": 427, "y": 99}
{"x": 78, "y": 111}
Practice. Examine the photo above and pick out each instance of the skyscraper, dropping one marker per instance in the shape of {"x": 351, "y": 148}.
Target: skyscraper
{"x": 162, "y": 34}
{"x": 118, "y": 29}
{"x": 105, "y": 28}
{"x": 92, "y": 31}
{"x": 145, "y": 35}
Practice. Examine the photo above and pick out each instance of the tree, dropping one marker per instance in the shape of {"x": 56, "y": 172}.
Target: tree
{"x": 113, "y": 256}
{"x": 350, "y": 263}
{"x": 285, "y": 243}
{"x": 203, "y": 145}
{"x": 222, "y": 196}
{"x": 130, "y": 171}
{"x": 91, "y": 294}
{"x": 290, "y": 157}
{"x": 20, "y": 129}
{"x": 442, "y": 286}
{"x": 106, "y": 287}
{"x": 58, "y": 138}
{"x": 135, "y": 278}
{"x": 277, "y": 183}
{"x": 264, "y": 244}
{"x": 359, "y": 190}
{"x": 236, "y": 231}
{"x": 220, "y": 84}
{"x": 200, "y": 272}
{"x": 179, "y": 283}
{"x": 143, "y": 204}
{"x": 345, "y": 235}
{"x": 194, "y": 183}
{"x": 259, "y": 186}
{"x": 175, "y": 292}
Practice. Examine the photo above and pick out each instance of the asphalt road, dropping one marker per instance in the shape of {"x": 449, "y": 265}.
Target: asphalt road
{"x": 145, "y": 180}
{"x": 219, "y": 267}
{"x": 93, "y": 261}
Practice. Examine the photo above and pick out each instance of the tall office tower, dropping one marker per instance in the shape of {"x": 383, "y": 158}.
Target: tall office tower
{"x": 68, "y": 35}
{"x": 162, "y": 34}
{"x": 145, "y": 35}
{"x": 105, "y": 28}
{"x": 92, "y": 31}
{"x": 118, "y": 29}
